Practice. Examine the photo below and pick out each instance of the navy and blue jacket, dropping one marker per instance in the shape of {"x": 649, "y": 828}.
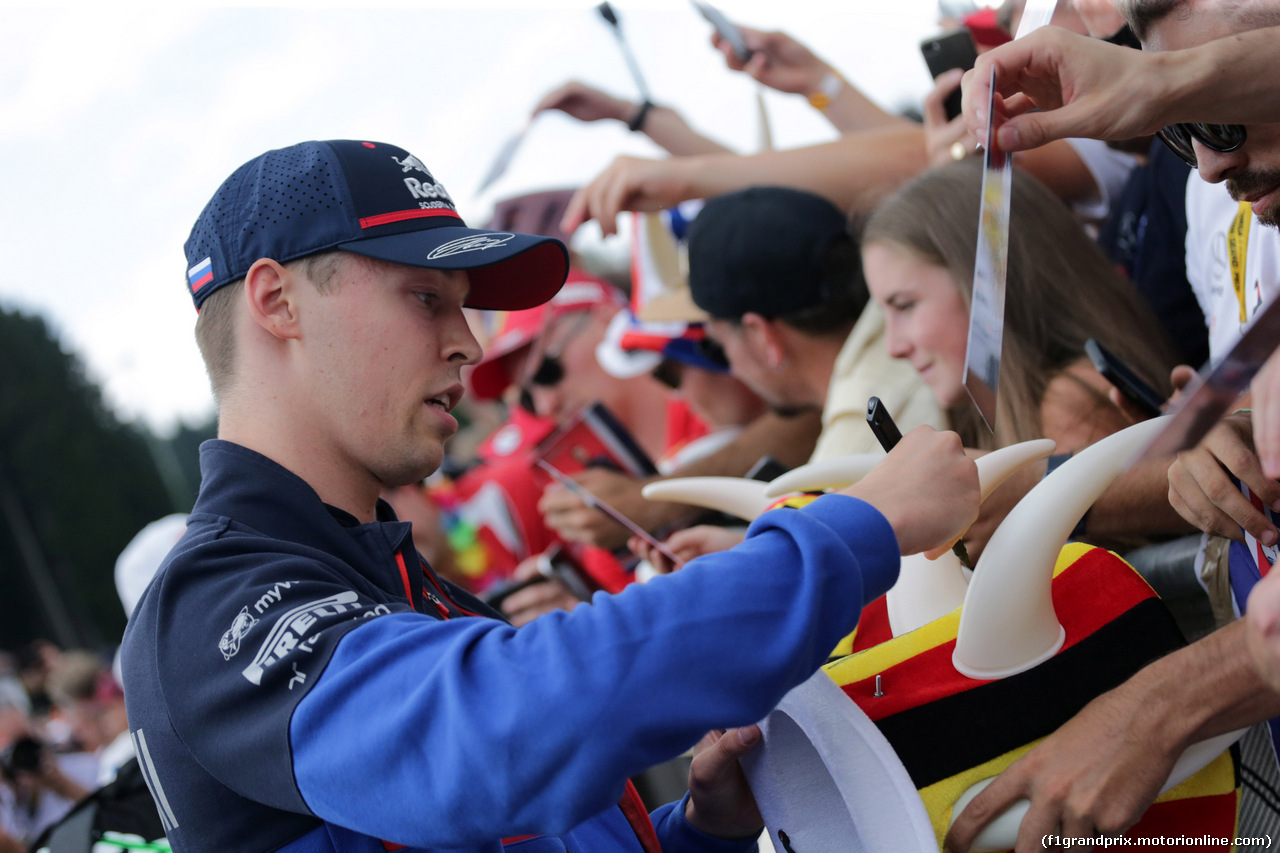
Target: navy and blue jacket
{"x": 298, "y": 681}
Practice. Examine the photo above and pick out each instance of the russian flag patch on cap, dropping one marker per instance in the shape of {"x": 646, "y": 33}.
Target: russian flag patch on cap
{"x": 200, "y": 275}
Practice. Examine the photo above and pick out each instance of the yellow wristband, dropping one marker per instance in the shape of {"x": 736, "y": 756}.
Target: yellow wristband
{"x": 828, "y": 90}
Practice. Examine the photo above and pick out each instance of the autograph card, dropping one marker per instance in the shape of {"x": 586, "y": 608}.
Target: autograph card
{"x": 986, "y": 312}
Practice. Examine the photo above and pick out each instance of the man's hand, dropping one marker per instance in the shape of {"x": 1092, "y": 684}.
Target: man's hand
{"x": 630, "y": 183}
{"x": 720, "y": 800}
{"x": 687, "y": 544}
{"x": 777, "y": 60}
{"x": 926, "y": 487}
{"x": 1053, "y": 84}
{"x": 1201, "y": 491}
{"x": 525, "y": 605}
{"x": 586, "y": 103}
{"x": 1094, "y": 776}
{"x": 570, "y": 517}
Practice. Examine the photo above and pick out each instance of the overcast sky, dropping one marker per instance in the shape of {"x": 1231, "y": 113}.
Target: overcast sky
{"x": 117, "y": 124}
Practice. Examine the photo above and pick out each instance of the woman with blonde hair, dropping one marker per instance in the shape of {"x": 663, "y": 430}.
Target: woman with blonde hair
{"x": 918, "y": 251}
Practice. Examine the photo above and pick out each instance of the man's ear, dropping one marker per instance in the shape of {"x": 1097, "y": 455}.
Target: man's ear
{"x": 766, "y": 338}
{"x": 270, "y": 290}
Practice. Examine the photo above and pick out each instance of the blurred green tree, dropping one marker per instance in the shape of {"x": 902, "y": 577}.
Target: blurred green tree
{"x": 76, "y": 484}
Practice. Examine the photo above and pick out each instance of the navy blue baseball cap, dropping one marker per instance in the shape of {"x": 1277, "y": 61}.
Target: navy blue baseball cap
{"x": 771, "y": 251}
{"x": 369, "y": 198}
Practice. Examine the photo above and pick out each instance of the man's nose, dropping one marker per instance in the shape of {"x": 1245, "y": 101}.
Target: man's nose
{"x": 461, "y": 342}
{"x": 1216, "y": 166}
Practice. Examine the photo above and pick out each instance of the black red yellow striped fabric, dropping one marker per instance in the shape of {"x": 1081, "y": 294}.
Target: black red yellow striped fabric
{"x": 951, "y": 731}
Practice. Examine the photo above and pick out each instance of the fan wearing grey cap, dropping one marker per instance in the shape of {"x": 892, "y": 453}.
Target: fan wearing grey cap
{"x": 778, "y": 271}
{"x": 299, "y": 678}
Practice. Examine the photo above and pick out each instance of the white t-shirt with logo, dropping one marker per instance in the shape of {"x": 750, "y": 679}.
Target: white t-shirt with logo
{"x": 1210, "y": 214}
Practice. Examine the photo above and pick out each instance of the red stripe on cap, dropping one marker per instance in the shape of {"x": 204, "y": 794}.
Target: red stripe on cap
{"x": 402, "y": 215}
{"x": 202, "y": 281}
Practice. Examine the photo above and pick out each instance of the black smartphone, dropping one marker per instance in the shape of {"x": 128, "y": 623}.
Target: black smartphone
{"x": 766, "y": 469}
{"x": 556, "y": 564}
{"x": 954, "y": 49}
{"x": 881, "y": 423}
{"x": 1147, "y": 399}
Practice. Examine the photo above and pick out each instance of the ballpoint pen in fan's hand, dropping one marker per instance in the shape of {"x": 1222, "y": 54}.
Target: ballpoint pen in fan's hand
{"x": 596, "y": 503}
{"x": 888, "y": 434}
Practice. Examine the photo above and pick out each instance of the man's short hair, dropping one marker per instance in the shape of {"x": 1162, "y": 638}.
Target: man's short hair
{"x": 215, "y": 324}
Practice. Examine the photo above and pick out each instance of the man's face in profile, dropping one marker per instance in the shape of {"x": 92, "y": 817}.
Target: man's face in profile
{"x": 1251, "y": 172}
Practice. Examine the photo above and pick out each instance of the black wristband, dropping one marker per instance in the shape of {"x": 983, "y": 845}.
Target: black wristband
{"x": 637, "y": 120}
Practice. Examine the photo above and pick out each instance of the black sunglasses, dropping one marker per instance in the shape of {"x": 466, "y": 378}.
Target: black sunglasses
{"x": 1223, "y": 138}
{"x": 550, "y": 372}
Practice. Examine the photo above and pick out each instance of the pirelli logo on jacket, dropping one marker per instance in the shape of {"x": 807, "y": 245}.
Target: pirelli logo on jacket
{"x": 293, "y": 628}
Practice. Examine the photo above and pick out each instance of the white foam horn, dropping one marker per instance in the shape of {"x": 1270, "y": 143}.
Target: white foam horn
{"x": 828, "y": 474}
{"x": 736, "y": 496}
{"x": 1008, "y": 624}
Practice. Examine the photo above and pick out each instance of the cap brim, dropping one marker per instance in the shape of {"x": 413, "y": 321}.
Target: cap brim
{"x": 508, "y": 272}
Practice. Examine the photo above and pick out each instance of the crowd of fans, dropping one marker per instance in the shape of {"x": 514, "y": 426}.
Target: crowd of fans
{"x": 771, "y": 295}
{"x": 822, "y": 276}
{"x": 62, "y": 724}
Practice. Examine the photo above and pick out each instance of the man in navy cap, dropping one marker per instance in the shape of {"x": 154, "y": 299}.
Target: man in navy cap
{"x": 777, "y": 270}
{"x": 299, "y": 679}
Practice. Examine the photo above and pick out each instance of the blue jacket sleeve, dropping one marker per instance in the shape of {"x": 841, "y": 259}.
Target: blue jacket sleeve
{"x": 677, "y": 835}
{"x": 449, "y": 733}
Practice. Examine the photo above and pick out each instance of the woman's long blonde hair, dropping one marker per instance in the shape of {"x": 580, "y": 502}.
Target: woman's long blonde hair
{"x": 1061, "y": 290}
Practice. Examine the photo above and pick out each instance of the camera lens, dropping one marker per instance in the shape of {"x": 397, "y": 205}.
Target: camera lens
{"x": 25, "y": 755}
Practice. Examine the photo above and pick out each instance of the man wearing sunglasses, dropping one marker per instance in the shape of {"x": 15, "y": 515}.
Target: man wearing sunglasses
{"x": 1205, "y": 82}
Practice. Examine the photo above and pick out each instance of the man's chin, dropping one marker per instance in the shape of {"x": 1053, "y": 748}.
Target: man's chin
{"x": 412, "y": 471}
